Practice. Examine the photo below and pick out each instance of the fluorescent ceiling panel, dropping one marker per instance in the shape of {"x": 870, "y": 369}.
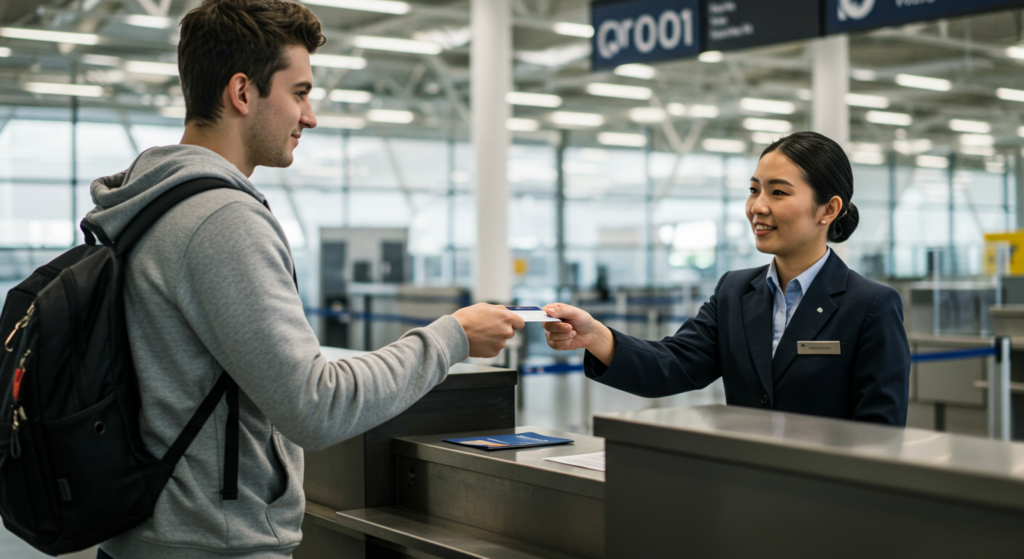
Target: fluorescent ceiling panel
{"x": 533, "y": 99}
{"x": 1010, "y": 94}
{"x": 703, "y": 111}
{"x": 619, "y": 91}
{"x": 912, "y": 147}
{"x": 390, "y": 116}
{"x": 566, "y": 118}
{"x": 970, "y": 126}
{"x": 350, "y": 96}
{"x": 924, "y": 82}
{"x": 4, "y": 52}
{"x": 764, "y": 138}
{"x": 892, "y": 119}
{"x": 647, "y": 115}
{"x": 639, "y": 71}
{"x": 867, "y": 158}
{"x": 379, "y": 6}
{"x": 676, "y": 109}
{"x": 522, "y": 125}
{"x": 172, "y": 112}
{"x": 622, "y": 139}
{"x": 151, "y": 22}
{"x": 74, "y": 90}
{"x": 711, "y": 56}
{"x": 49, "y": 36}
{"x": 317, "y": 94}
{"x": 1015, "y": 52}
{"x": 869, "y": 101}
{"x": 573, "y": 29}
{"x": 340, "y": 121}
{"x": 337, "y": 61}
{"x": 720, "y": 145}
{"x": 156, "y": 68}
{"x": 768, "y": 125}
{"x": 932, "y": 161}
{"x": 396, "y": 45}
{"x": 767, "y": 106}
{"x": 977, "y": 140}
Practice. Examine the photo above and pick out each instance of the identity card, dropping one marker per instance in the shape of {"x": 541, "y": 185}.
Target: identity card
{"x": 533, "y": 314}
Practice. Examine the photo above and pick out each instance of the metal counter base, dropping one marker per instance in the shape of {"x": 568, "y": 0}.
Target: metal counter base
{"x": 460, "y": 502}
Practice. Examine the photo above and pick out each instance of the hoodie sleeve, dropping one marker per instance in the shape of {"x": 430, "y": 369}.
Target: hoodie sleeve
{"x": 235, "y": 289}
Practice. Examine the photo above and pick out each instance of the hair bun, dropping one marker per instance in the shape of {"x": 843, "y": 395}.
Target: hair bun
{"x": 843, "y": 227}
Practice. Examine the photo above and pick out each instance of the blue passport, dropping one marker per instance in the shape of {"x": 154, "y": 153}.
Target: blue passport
{"x": 505, "y": 442}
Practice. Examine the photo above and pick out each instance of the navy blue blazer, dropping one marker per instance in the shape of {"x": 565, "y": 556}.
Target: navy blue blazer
{"x": 731, "y": 337}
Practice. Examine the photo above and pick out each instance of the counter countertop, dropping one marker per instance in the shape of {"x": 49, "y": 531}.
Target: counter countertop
{"x": 977, "y": 470}
{"x": 526, "y": 465}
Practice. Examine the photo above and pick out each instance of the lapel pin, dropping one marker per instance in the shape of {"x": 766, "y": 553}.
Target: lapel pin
{"x": 819, "y": 309}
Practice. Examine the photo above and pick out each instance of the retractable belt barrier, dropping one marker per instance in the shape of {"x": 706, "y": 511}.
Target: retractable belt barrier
{"x": 952, "y": 355}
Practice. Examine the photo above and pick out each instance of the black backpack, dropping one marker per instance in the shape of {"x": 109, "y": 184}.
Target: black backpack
{"x": 73, "y": 468}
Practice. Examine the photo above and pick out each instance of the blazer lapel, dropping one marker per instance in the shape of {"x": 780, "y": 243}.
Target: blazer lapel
{"x": 757, "y": 322}
{"x": 814, "y": 312}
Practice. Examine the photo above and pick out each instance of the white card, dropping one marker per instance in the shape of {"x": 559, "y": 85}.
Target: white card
{"x": 533, "y": 314}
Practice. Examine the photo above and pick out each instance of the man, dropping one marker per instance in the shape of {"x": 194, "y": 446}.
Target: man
{"x": 210, "y": 287}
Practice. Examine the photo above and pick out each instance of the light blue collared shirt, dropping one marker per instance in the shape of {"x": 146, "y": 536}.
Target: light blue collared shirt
{"x": 786, "y": 303}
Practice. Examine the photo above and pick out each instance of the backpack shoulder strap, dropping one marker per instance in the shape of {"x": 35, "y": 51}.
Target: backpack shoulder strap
{"x": 149, "y": 215}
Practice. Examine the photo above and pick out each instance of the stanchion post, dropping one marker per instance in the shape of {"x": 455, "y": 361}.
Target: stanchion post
{"x": 999, "y": 392}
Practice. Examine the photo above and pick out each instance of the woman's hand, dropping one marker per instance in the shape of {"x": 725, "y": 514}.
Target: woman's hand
{"x": 578, "y": 330}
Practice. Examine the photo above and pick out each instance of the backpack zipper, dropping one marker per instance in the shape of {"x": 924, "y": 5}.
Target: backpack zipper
{"x": 20, "y": 324}
{"x": 17, "y": 410}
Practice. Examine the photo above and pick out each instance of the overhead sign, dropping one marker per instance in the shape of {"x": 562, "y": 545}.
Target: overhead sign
{"x": 738, "y": 24}
{"x": 843, "y": 16}
{"x": 644, "y": 31}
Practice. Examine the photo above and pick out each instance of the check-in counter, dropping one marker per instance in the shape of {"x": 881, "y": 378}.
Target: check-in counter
{"x": 399, "y": 491}
{"x": 718, "y": 481}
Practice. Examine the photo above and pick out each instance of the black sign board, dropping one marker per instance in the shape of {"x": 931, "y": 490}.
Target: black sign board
{"x": 858, "y": 15}
{"x": 738, "y": 24}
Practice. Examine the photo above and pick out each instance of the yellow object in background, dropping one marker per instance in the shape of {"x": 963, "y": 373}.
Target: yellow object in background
{"x": 1016, "y": 241}
{"x": 521, "y": 266}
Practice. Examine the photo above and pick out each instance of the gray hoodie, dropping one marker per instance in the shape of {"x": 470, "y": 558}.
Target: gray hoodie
{"x": 210, "y": 286}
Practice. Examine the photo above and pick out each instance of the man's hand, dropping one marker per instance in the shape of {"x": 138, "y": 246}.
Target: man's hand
{"x": 488, "y": 328}
{"x": 578, "y": 330}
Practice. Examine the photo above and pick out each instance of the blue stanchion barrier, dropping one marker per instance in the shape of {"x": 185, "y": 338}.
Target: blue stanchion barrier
{"x": 951, "y": 355}
{"x": 553, "y": 369}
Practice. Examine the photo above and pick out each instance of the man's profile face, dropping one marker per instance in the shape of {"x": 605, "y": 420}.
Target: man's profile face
{"x": 278, "y": 120}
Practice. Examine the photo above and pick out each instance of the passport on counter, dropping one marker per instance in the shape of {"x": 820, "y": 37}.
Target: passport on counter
{"x": 504, "y": 442}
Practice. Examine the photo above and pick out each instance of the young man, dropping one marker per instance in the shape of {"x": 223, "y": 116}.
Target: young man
{"x": 209, "y": 288}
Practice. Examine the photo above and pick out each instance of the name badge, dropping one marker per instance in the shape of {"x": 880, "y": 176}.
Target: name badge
{"x": 817, "y": 348}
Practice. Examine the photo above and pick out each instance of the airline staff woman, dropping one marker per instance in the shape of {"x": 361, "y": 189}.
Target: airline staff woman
{"x": 804, "y": 334}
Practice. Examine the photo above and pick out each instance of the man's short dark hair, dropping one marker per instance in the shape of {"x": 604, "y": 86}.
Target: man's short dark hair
{"x": 221, "y": 38}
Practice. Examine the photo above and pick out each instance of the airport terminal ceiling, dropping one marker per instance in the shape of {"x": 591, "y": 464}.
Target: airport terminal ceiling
{"x": 692, "y": 100}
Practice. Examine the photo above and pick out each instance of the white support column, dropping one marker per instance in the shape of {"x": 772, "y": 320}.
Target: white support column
{"x": 831, "y": 83}
{"x": 491, "y": 79}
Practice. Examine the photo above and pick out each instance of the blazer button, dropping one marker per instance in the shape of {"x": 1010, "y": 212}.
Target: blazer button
{"x": 764, "y": 400}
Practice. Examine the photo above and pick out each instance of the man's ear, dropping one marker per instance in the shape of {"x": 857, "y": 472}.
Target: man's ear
{"x": 239, "y": 93}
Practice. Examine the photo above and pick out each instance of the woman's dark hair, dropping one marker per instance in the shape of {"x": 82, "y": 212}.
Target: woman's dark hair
{"x": 827, "y": 169}
{"x": 223, "y": 37}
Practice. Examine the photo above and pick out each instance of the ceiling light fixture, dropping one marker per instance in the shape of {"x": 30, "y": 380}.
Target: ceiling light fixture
{"x": 923, "y": 82}
{"x": 522, "y": 125}
{"x": 155, "y": 68}
{"x": 767, "y": 106}
{"x": 932, "y": 161}
{"x": 970, "y": 126}
{"x": 977, "y": 140}
{"x": 49, "y": 36}
{"x": 350, "y": 96}
{"x": 4, "y": 52}
{"x": 379, "y": 6}
{"x": 340, "y": 122}
{"x": 763, "y": 138}
{"x": 676, "y": 109}
{"x": 703, "y": 111}
{"x": 566, "y": 118}
{"x": 891, "y": 119}
{"x": 619, "y": 91}
{"x": 1008, "y": 94}
{"x": 396, "y": 45}
{"x": 71, "y": 89}
{"x": 622, "y": 139}
{"x": 390, "y": 116}
{"x": 101, "y": 60}
{"x": 317, "y": 94}
{"x": 863, "y": 75}
{"x": 573, "y": 29}
{"x": 912, "y": 147}
{"x": 724, "y": 146}
{"x": 533, "y": 99}
{"x": 1015, "y": 52}
{"x": 647, "y": 115}
{"x": 711, "y": 57}
{"x": 150, "y": 22}
{"x": 337, "y": 61}
{"x": 867, "y": 158}
{"x": 172, "y": 112}
{"x": 980, "y": 151}
{"x": 869, "y": 101}
{"x": 639, "y": 71}
{"x": 768, "y": 125}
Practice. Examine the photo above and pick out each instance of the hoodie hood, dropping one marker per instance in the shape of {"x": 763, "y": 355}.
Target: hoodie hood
{"x": 120, "y": 197}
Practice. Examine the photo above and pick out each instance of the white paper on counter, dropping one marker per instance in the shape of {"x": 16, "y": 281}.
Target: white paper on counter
{"x": 594, "y": 461}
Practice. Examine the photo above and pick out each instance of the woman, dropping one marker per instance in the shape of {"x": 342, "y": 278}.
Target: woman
{"x": 755, "y": 329}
